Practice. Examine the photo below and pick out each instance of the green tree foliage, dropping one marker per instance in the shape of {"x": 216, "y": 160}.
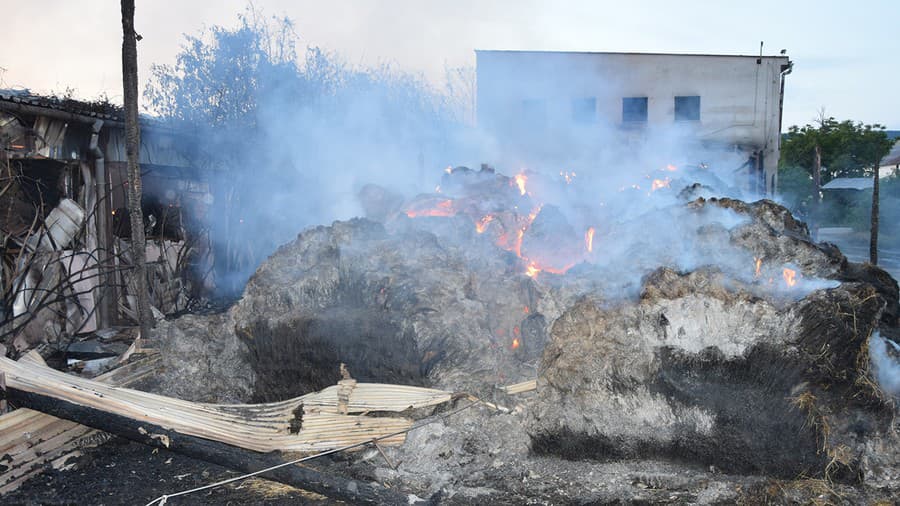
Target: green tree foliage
{"x": 849, "y": 149}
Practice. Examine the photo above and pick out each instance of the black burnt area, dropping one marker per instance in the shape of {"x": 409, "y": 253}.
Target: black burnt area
{"x": 304, "y": 354}
{"x": 760, "y": 433}
{"x": 757, "y": 428}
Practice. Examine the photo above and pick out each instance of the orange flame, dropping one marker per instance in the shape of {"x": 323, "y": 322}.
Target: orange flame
{"x": 671, "y": 168}
{"x": 526, "y": 310}
{"x": 442, "y": 208}
{"x": 758, "y": 266}
{"x": 790, "y": 276}
{"x": 532, "y": 269}
{"x": 517, "y": 247}
{"x": 449, "y": 170}
{"x": 589, "y": 239}
{"x": 659, "y": 183}
{"x": 515, "y": 343}
{"x": 521, "y": 179}
{"x": 568, "y": 176}
{"x": 482, "y": 224}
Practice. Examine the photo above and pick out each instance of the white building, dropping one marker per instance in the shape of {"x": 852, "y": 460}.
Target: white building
{"x": 526, "y": 98}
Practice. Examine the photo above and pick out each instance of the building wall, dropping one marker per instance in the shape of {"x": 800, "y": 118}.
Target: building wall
{"x": 739, "y": 98}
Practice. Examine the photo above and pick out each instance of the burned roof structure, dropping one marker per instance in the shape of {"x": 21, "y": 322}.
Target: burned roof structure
{"x": 65, "y": 223}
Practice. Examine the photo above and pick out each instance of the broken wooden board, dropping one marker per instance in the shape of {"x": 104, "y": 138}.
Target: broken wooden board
{"x": 233, "y": 436}
{"x": 304, "y": 424}
{"x": 518, "y": 388}
{"x": 30, "y": 440}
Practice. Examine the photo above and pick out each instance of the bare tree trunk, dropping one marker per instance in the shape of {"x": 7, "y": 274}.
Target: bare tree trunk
{"x": 817, "y": 190}
{"x": 873, "y": 233}
{"x": 132, "y": 149}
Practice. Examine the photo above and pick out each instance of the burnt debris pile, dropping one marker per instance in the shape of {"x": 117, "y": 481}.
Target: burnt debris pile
{"x": 687, "y": 339}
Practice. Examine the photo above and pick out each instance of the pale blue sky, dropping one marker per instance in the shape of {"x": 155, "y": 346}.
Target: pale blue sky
{"x": 845, "y": 53}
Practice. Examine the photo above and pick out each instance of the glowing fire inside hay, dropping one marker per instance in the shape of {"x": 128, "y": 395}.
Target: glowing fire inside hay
{"x": 441, "y": 208}
{"x": 758, "y": 262}
{"x": 521, "y": 179}
{"x": 659, "y": 183}
{"x": 482, "y": 224}
{"x": 790, "y": 276}
{"x": 553, "y": 249}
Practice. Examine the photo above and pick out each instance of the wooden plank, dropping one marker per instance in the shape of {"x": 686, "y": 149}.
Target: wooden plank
{"x": 229, "y": 435}
{"x": 29, "y": 440}
{"x": 239, "y": 459}
{"x": 518, "y": 388}
{"x": 239, "y": 426}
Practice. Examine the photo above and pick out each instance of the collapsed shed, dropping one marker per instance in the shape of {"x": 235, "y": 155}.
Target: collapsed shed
{"x": 64, "y": 233}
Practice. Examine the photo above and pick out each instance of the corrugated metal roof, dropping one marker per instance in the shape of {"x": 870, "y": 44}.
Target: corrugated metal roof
{"x": 99, "y": 110}
{"x": 849, "y": 183}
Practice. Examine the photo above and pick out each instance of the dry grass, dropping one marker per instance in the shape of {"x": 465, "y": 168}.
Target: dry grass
{"x": 839, "y": 454}
{"x": 815, "y": 418}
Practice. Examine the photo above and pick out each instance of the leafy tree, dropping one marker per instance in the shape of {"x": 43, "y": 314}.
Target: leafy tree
{"x": 292, "y": 134}
{"x": 844, "y": 147}
{"x": 829, "y": 150}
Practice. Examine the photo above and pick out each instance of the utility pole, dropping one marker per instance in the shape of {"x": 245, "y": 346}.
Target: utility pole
{"x": 132, "y": 150}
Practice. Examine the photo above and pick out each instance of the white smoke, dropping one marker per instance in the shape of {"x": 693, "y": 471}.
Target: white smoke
{"x": 884, "y": 355}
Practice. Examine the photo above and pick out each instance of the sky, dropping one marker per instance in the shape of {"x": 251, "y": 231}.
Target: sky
{"x": 844, "y": 53}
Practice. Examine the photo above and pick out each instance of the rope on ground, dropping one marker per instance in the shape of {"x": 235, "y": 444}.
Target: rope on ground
{"x": 161, "y": 500}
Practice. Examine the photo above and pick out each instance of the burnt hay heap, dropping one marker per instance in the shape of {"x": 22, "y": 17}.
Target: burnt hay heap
{"x": 698, "y": 364}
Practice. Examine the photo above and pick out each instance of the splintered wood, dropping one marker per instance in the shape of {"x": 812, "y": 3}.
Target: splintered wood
{"x": 518, "y": 388}
{"x": 312, "y": 422}
{"x": 30, "y": 440}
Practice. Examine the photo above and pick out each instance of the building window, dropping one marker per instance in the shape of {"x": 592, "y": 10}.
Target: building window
{"x": 687, "y": 108}
{"x": 584, "y": 110}
{"x": 634, "y": 109}
{"x": 534, "y": 112}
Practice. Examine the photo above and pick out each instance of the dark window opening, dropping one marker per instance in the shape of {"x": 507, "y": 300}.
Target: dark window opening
{"x": 634, "y": 109}
{"x": 687, "y": 108}
{"x": 584, "y": 110}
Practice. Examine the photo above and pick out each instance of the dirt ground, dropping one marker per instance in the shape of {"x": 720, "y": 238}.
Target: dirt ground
{"x": 123, "y": 472}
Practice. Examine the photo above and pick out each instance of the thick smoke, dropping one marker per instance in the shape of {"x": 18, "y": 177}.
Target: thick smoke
{"x": 295, "y": 139}
{"x": 885, "y": 357}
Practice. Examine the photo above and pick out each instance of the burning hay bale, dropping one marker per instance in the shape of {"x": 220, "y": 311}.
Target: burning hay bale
{"x": 719, "y": 334}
